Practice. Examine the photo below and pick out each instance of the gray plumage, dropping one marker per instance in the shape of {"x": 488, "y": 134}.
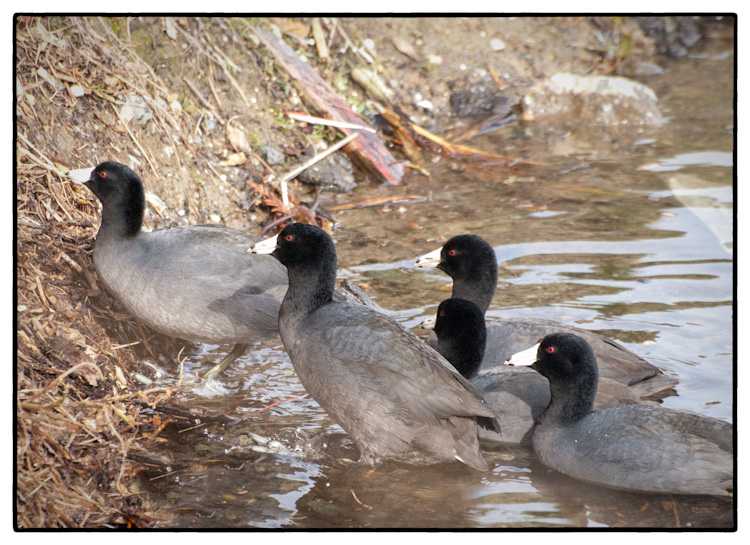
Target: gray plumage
{"x": 196, "y": 283}
{"x": 396, "y": 397}
{"x": 518, "y": 395}
{"x": 470, "y": 261}
{"x": 634, "y": 447}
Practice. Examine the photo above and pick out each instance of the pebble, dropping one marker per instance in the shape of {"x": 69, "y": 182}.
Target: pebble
{"x": 497, "y": 44}
{"x": 272, "y": 156}
{"x": 77, "y": 91}
{"x": 136, "y": 110}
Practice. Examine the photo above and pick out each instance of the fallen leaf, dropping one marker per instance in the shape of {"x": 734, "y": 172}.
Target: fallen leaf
{"x": 405, "y": 47}
{"x": 238, "y": 138}
{"x": 292, "y": 26}
{"x": 235, "y": 159}
{"x": 171, "y": 28}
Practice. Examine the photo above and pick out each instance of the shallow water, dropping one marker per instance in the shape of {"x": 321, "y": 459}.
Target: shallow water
{"x": 630, "y": 235}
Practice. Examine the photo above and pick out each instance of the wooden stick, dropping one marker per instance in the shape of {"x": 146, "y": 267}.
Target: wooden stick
{"x": 322, "y": 155}
{"x": 368, "y": 150}
{"x": 135, "y": 141}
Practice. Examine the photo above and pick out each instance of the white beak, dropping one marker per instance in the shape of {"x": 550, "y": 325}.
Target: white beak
{"x": 81, "y": 175}
{"x": 266, "y": 246}
{"x": 525, "y": 358}
{"x": 430, "y": 260}
{"x": 429, "y": 323}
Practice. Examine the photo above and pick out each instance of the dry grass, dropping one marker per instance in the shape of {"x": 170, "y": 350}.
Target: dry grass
{"x": 79, "y": 418}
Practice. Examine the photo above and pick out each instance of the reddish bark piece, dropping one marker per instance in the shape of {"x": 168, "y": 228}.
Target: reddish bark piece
{"x": 368, "y": 151}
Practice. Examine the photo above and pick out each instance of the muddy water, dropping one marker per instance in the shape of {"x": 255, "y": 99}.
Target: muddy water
{"x": 626, "y": 234}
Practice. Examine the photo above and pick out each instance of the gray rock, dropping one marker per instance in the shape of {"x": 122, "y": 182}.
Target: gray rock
{"x": 605, "y": 100}
{"x": 335, "y": 172}
{"x": 272, "y": 156}
{"x": 136, "y": 110}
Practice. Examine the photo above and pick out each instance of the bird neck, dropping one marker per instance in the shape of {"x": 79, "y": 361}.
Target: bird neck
{"x": 465, "y": 355}
{"x": 123, "y": 219}
{"x": 570, "y": 401}
{"x": 309, "y": 290}
{"x": 479, "y": 289}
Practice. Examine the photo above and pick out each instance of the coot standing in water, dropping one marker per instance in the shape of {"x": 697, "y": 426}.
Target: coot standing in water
{"x": 196, "y": 282}
{"x": 396, "y": 397}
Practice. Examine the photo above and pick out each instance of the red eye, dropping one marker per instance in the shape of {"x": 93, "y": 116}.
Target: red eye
{"x": 288, "y": 238}
{"x": 451, "y": 253}
{"x": 102, "y": 174}
{"x": 550, "y": 350}
{"x": 442, "y": 313}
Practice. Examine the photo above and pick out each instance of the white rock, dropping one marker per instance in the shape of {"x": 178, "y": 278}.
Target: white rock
{"x": 77, "y": 91}
{"x": 497, "y": 44}
{"x": 602, "y": 85}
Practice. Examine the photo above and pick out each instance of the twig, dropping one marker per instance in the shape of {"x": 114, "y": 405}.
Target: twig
{"x": 320, "y": 39}
{"x": 190, "y": 428}
{"x": 166, "y": 422}
{"x": 126, "y": 48}
{"x": 61, "y": 377}
{"x": 203, "y": 101}
{"x": 359, "y": 502}
{"x": 49, "y": 165}
{"x": 356, "y": 49}
{"x": 135, "y": 141}
{"x": 276, "y": 403}
{"x": 291, "y": 175}
{"x": 340, "y": 144}
{"x": 300, "y": 116}
{"x": 217, "y": 59}
{"x": 334, "y": 27}
{"x": 211, "y": 84}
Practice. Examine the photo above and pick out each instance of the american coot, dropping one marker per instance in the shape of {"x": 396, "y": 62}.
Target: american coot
{"x": 634, "y": 447}
{"x": 518, "y": 395}
{"x": 396, "y": 397}
{"x": 472, "y": 264}
{"x": 196, "y": 283}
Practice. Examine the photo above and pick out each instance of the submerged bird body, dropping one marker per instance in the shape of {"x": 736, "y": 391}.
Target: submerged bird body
{"x": 470, "y": 261}
{"x": 517, "y": 395}
{"x": 641, "y": 447}
{"x": 396, "y": 397}
{"x": 634, "y": 447}
{"x": 196, "y": 283}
